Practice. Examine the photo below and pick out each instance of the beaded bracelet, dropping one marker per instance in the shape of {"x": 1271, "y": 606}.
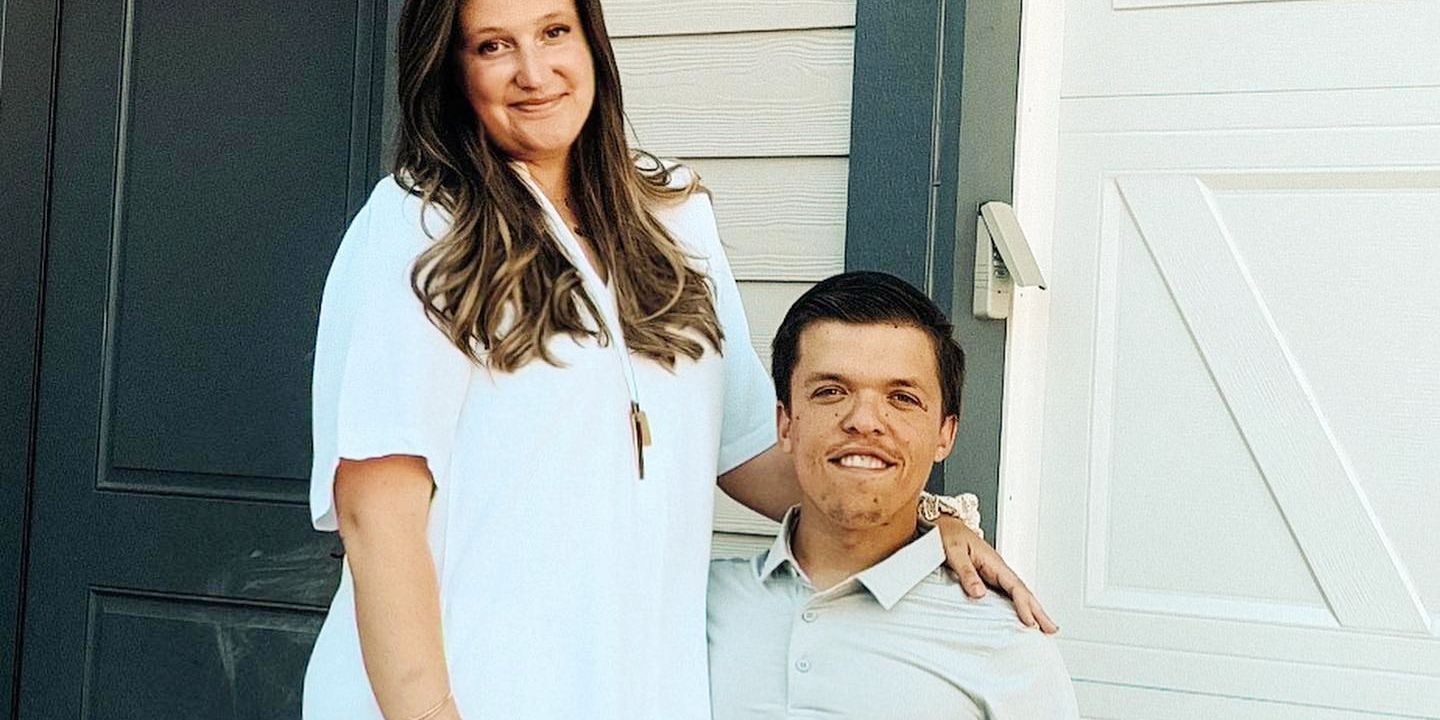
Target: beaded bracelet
{"x": 965, "y": 508}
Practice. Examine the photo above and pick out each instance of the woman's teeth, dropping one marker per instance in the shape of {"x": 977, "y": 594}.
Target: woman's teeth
{"x": 865, "y": 462}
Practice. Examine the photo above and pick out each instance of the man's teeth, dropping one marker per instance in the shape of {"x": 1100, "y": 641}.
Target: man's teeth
{"x": 866, "y": 462}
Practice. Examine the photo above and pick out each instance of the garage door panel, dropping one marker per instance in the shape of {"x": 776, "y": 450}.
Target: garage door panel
{"x": 1334, "y": 686}
{"x": 1297, "y": 110}
{"x": 1271, "y": 399}
{"x": 1385, "y": 414}
{"x": 1245, "y": 47}
{"x": 1121, "y": 702}
{"x": 1247, "y": 689}
{"x": 1130, "y": 371}
{"x": 1174, "y": 466}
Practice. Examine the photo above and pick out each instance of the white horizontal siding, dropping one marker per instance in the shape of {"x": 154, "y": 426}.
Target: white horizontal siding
{"x": 780, "y": 218}
{"x": 765, "y": 306}
{"x": 737, "y": 545}
{"x": 740, "y": 95}
{"x": 630, "y": 18}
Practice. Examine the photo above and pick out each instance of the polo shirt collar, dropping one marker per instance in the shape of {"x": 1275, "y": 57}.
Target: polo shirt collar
{"x": 779, "y": 553}
{"x": 892, "y": 578}
{"x": 888, "y": 580}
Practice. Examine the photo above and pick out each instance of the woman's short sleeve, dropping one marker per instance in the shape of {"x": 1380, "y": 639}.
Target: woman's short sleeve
{"x": 748, "y": 426}
{"x": 386, "y": 380}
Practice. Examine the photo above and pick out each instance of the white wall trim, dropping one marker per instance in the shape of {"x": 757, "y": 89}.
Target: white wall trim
{"x": 1022, "y": 416}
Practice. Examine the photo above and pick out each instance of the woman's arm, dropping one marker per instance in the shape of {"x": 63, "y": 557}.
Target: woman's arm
{"x": 767, "y": 484}
{"x": 383, "y": 505}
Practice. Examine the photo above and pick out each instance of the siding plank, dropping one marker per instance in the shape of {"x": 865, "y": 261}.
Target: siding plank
{"x": 732, "y": 517}
{"x": 740, "y": 95}
{"x": 733, "y": 545}
{"x": 630, "y": 18}
{"x": 765, "y": 306}
{"x": 780, "y": 218}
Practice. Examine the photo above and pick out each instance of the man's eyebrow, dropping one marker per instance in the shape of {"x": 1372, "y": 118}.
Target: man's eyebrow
{"x": 824, "y": 377}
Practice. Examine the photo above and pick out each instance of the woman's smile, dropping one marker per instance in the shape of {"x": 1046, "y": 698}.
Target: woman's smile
{"x": 539, "y": 106}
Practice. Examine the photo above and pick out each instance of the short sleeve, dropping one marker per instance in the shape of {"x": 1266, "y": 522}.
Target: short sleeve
{"x": 748, "y": 425}
{"x": 386, "y": 380}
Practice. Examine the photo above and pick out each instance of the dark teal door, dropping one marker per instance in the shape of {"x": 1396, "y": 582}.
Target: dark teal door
{"x": 206, "y": 157}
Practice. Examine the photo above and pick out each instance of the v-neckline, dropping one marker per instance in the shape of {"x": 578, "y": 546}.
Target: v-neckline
{"x": 570, "y": 240}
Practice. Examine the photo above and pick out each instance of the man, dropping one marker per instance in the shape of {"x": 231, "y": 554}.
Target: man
{"x": 850, "y": 614}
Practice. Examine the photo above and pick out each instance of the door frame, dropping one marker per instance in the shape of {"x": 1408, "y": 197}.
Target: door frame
{"x": 28, "y": 31}
{"x": 1036, "y": 167}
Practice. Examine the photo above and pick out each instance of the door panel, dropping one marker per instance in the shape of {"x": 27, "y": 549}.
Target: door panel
{"x": 207, "y": 158}
{"x": 1242, "y": 398}
{"x": 1151, "y": 47}
{"x": 1239, "y": 468}
{"x": 1242, "y": 406}
{"x": 1186, "y": 229}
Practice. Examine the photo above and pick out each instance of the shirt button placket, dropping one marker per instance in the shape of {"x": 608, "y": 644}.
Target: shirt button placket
{"x": 800, "y": 659}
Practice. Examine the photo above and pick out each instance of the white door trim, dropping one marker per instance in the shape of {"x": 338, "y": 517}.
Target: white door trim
{"x": 1022, "y": 414}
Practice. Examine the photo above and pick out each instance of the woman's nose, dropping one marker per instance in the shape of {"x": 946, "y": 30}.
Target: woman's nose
{"x": 532, "y": 70}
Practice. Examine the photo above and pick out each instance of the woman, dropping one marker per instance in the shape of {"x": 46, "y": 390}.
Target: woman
{"x": 532, "y": 363}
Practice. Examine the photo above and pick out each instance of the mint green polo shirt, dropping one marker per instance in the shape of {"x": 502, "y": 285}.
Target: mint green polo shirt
{"x": 899, "y": 640}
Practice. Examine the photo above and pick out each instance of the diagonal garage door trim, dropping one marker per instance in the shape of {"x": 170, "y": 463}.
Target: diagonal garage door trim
{"x": 1313, "y": 482}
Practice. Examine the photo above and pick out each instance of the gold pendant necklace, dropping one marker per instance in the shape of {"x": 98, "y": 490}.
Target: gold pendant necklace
{"x": 642, "y": 434}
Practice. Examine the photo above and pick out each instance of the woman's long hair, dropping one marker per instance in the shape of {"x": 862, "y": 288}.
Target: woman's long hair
{"x": 497, "y": 279}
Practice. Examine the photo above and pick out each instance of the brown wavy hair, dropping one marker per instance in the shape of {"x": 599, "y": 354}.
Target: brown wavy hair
{"x": 497, "y": 279}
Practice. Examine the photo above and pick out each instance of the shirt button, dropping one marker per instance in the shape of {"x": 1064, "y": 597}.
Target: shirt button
{"x": 809, "y": 616}
{"x": 802, "y": 665}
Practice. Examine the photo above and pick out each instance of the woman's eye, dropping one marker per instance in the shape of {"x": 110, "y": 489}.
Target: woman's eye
{"x": 488, "y": 47}
{"x": 556, "y": 31}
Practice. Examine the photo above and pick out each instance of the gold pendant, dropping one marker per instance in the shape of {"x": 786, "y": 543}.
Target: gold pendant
{"x": 641, "y": 425}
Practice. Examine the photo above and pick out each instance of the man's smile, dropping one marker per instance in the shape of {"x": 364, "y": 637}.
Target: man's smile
{"x": 854, "y": 458}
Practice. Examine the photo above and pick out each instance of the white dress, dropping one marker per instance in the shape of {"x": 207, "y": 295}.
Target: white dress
{"x": 570, "y": 588}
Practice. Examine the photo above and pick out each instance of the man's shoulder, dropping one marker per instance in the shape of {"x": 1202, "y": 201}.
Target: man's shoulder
{"x": 988, "y": 620}
{"x": 729, "y": 570}
{"x": 988, "y": 628}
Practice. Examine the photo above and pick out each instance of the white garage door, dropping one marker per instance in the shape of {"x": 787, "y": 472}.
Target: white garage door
{"x": 1241, "y": 463}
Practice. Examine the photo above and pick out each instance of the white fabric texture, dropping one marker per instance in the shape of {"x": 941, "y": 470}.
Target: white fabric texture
{"x": 569, "y": 587}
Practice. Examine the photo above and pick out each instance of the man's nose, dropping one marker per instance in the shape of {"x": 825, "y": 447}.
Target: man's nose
{"x": 864, "y": 416}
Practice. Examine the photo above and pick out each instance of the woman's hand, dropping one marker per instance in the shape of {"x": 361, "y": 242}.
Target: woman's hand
{"x": 977, "y": 565}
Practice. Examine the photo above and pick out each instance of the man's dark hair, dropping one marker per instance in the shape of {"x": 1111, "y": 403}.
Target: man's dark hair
{"x": 869, "y": 298}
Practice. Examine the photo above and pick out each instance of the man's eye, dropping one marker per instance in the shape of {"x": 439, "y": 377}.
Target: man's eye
{"x": 906, "y": 398}
{"x": 825, "y": 392}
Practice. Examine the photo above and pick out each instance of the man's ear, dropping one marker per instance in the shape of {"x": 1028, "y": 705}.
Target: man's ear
{"x": 782, "y": 426}
{"x": 948, "y": 426}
